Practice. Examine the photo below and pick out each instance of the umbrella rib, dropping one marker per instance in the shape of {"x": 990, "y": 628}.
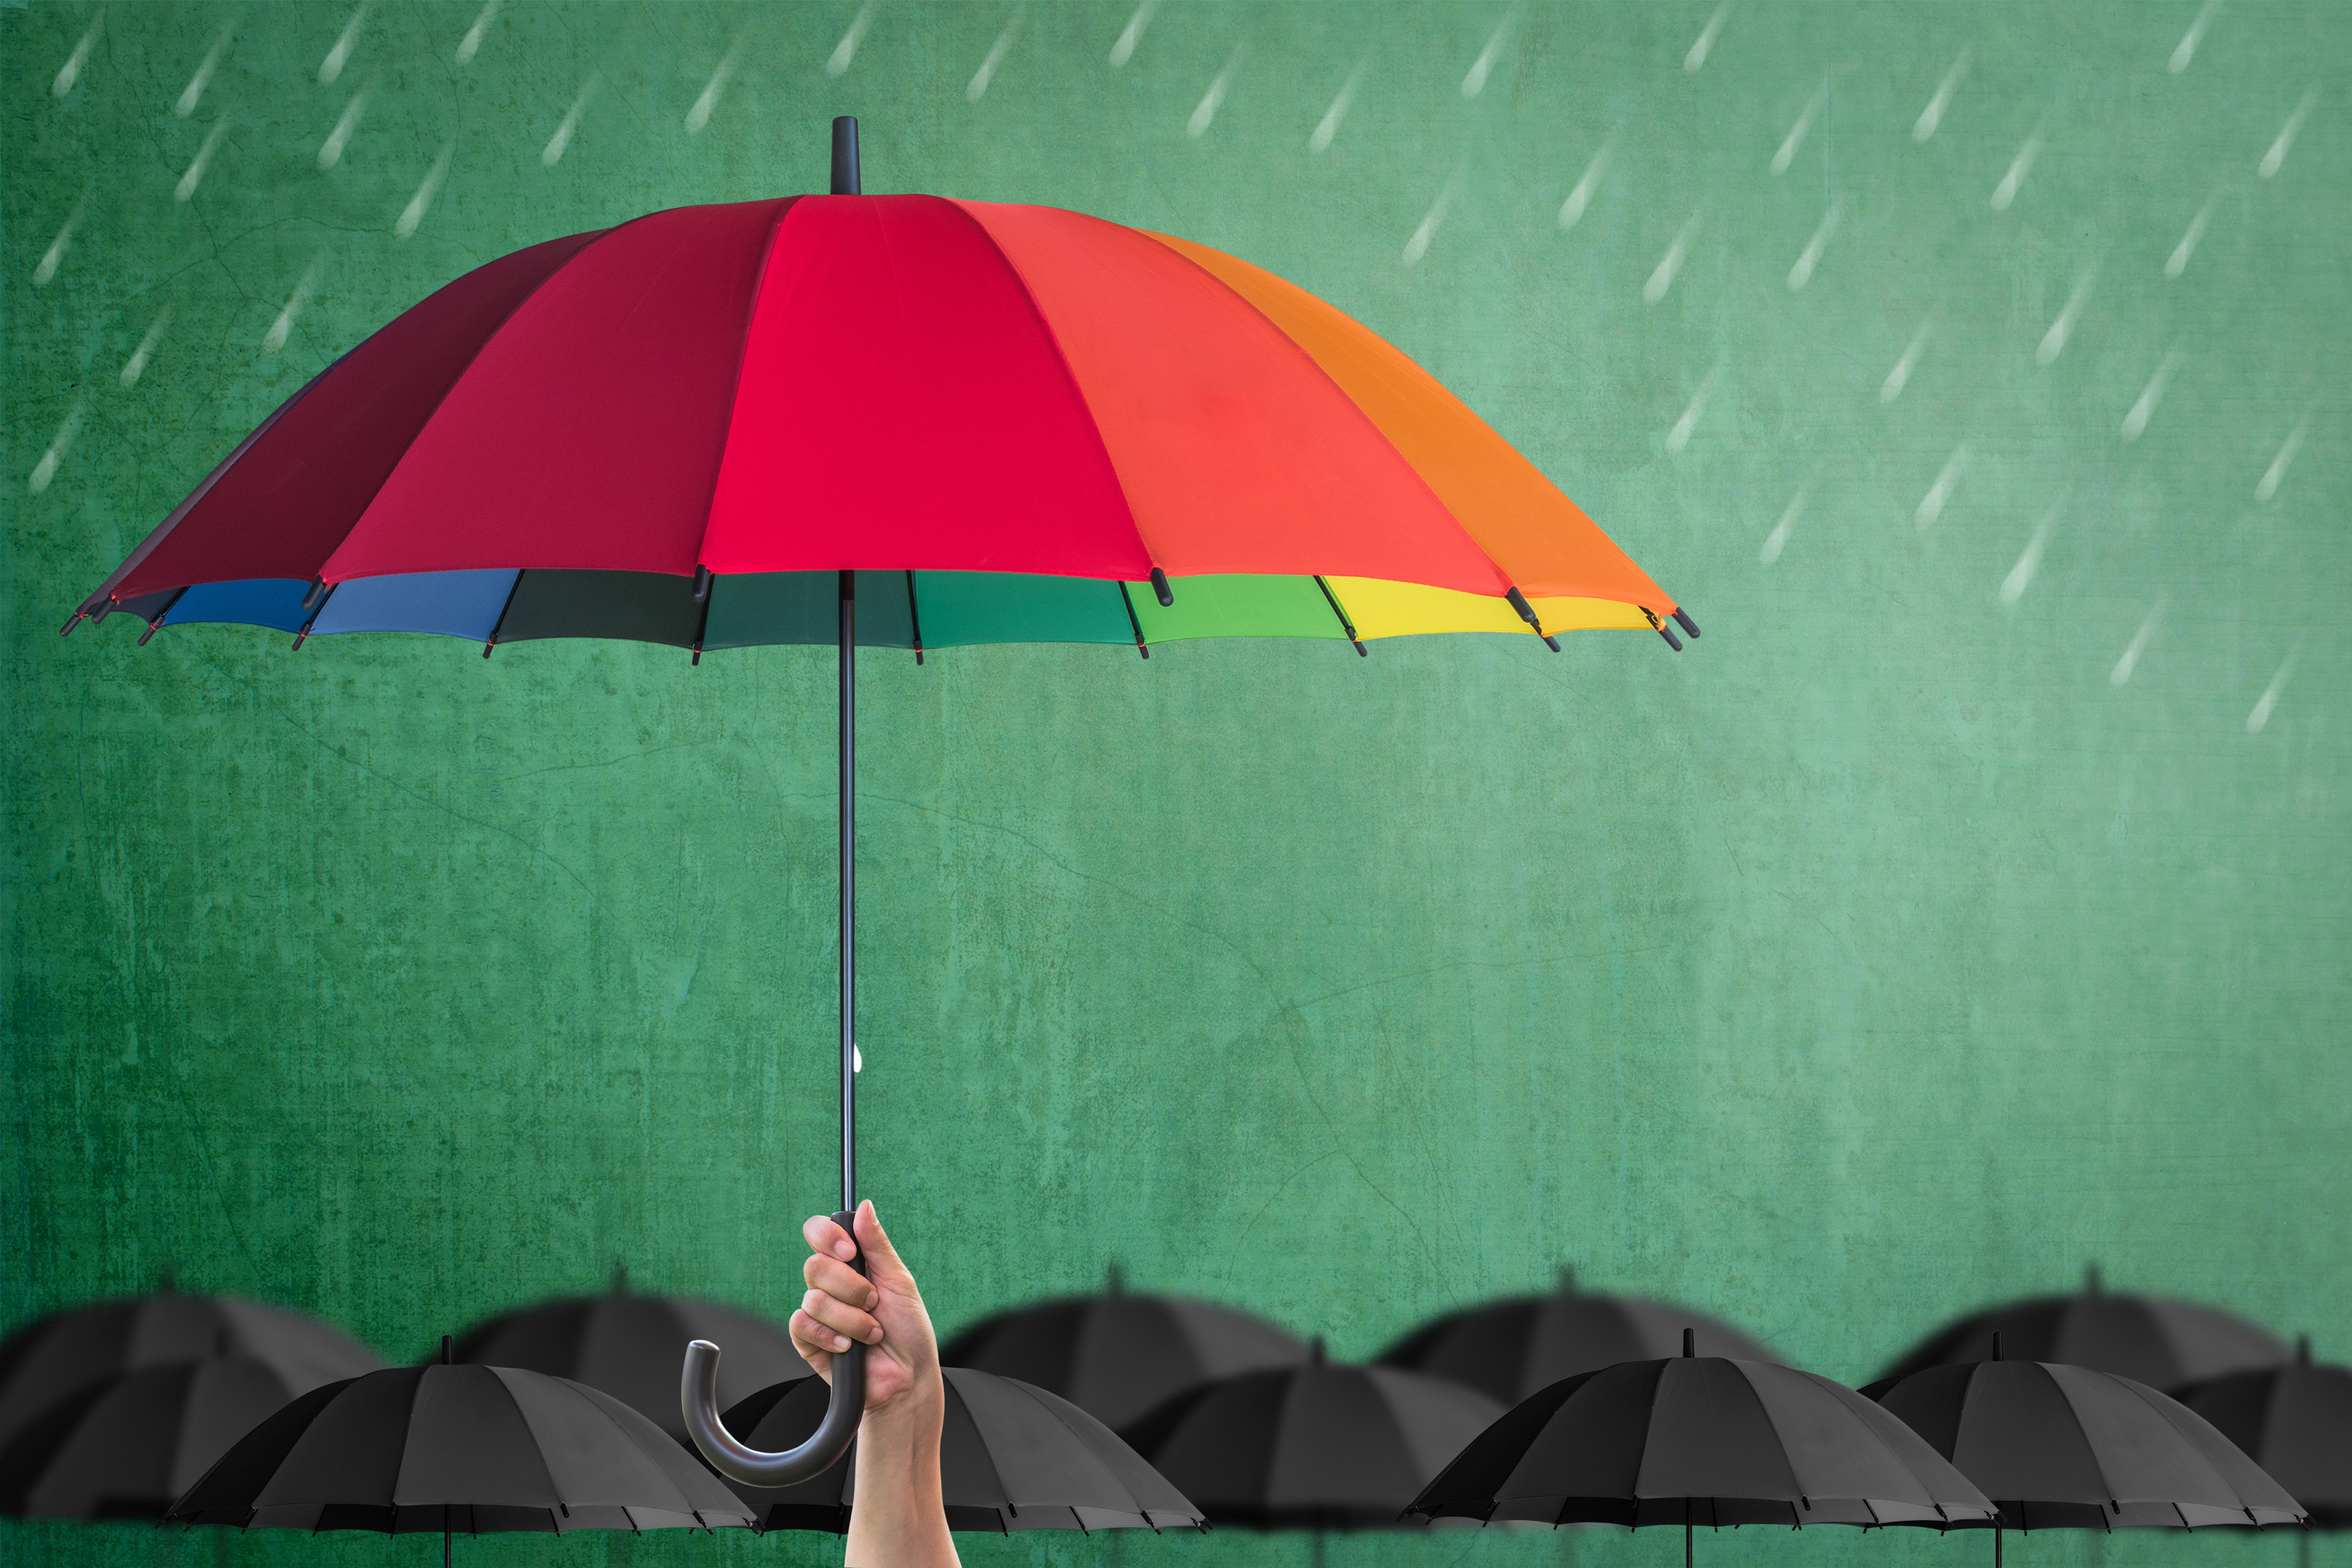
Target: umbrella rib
{"x": 1131, "y": 621}
{"x": 156, "y": 625}
{"x": 742, "y": 351}
{"x": 914, "y": 618}
{"x": 512, "y": 589}
{"x": 1346, "y": 625}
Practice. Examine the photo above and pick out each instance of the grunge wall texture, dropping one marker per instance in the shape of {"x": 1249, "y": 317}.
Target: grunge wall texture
{"x": 1970, "y": 904}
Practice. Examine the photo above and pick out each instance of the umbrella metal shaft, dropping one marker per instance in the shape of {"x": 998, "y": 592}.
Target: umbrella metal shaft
{"x": 848, "y": 786}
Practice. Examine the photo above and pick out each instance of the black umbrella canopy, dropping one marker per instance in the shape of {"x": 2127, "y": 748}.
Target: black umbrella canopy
{"x": 1118, "y": 1356}
{"x": 2295, "y": 1422}
{"x": 65, "y": 1355}
{"x": 1012, "y": 1457}
{"x": 632, "y": 1347}
{"x": 2067, "y": 1445}
{"x": 2152, "y": 1339}
{"x": 1311, "y": 1447}
{"x": 462, "y": 1449}
{"x": 1704, "y": 1440}
{"x": 1511, "y": 1348}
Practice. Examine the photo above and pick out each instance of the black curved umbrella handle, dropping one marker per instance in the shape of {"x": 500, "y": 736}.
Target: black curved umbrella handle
{"x": 698, "y": 1396}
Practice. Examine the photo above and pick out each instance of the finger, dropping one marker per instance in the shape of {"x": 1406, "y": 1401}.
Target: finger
{"x": 814, "y": 1340}
{"x": 838, "y": 1280}
{"x": 841, "y": 1317}
{"x": 824, "y": 1237}
{"x": 875, "y": 1239}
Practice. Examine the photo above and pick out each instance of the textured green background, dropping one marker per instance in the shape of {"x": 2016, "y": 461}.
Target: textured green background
{"x": 1879, "y": 956}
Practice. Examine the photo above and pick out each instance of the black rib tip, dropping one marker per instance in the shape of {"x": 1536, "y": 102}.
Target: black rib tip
{"x": 105, "y": 608}
{"x": 1551, "y": 642}
{"x": 919, "y": 656}
{"x": 1673, "y": 641}
{"x": 1143, "y": 650}
{"x": 701, "y": 585}
{"x": 487, "y": 647}
{"x": 1159, "y": 586}
{"x": 71, "y": 621}
{"x": 697, "y": 659}
{"x": 1689, "y": 625}
{"x": 1518, "y": 602}
{"x": 315, "y": 594}
{"x": 153, "y": 628}
{"x": 1361, "y": 652}
{"x": 300, "y": 638}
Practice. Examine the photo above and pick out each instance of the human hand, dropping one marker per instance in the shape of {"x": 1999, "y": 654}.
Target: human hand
{"x": 881, "y": 1309}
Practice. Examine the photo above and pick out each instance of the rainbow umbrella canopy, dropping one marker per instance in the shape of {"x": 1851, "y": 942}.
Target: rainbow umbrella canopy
{"x": 889, "y": 421}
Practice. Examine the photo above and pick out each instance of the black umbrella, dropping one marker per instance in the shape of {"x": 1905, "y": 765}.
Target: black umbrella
{"x": 1012, "y": 1457}
{"x": 1118, "y": 1356}
{"x": 631, "y": 1347}
{"x": 2069, "y": 1446}
{"x": 1706, "y": 1440}
{"x": 67, "y": 1354}
{"x": 1511, "y": 1348}
{"x": 459, "y": 1450}
{"x": 2149, "y": 1338}
{"x": 2295, "y": 1422}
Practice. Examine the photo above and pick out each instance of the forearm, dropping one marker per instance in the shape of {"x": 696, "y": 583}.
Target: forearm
{"x": 900, "y": 1519}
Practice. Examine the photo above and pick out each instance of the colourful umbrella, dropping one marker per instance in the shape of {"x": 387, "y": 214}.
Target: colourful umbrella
{"x": 719, "y": 427}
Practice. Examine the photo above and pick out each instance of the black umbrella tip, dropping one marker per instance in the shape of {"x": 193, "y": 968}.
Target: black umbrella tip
{"x": 845, "y": 155}
{"x": 1690, "y": 1343}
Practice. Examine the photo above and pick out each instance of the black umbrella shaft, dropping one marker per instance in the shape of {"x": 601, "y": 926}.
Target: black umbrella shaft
{"x": 848, "y": 786}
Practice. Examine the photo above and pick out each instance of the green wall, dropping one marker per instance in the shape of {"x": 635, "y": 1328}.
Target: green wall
{"x": 1880, "y": 955}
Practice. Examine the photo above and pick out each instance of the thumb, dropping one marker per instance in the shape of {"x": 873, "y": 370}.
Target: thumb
{"x": 876, "y": 1241}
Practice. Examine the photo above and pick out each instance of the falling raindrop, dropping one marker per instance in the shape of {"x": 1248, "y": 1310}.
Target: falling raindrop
{"x": 2269, "y": 485}
{"x": 196, "y": 173}
{"x": 2019, "y": 167}
{"x": 1931, "y": 505}
{"x": 1900, "y": 376}
{"x": 47, "y": 468}
{"x": 2186, "y": 50}
{"x": 2138, "y": 645}
{"x": 2177, "y": 262}
{"x": 1662, "y": 276}
{"x": 1809, "y": 257}
{"x": 1679, "y": 436}
{"x": 1572, "y": 210}
{"x": 1777, "y": 540}
{"x": 283, "y": 326}
{"x": 2021, "y": 576}
{"x": 414, "y": 213}
{"x": 554, "y": 150}
{"x": 1474, "y": 81}
{"x": 1122, "y": 48}
{"x": 338, "y": 56}
{"x": 1328, "y": 126}
{"x": 699, "y": 115}
{"x": 1932, "y": 115}
{"x": 1796, "y": 137}
{"x": 70, "y": 72}
{"x": 471, "y": 44}
{"x": 331, "y": 150}
{"x": 189, "y": 95}
{"x": 2270, "y": 693}
{"x": 56, "y": 254}
{"x": 2053, "y": 342}
{"x": 1705, "y": 43}
{"x": 1418, "y": 245}
{"x": 1198, "y": 125}
{"x": 2269, "y": 166}
{"x": 978, "y": 86}
{"x": 2150, "y": 395}
{"x": 846, "y": 50}
{"x": 136, "y": 366}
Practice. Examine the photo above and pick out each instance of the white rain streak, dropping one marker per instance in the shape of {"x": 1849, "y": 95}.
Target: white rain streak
{"x": 194, "y": 91}
{"x": 56, "y": 254}
{"x": 2276, "y": 156}
{"x": 2269, "y": 485}
{"x": 1474, "y": 81}
{"x": 1679, "y": 436}
{"x": 2177, "y": 262}
{"x": 1703, "y": 43}
{"x": 2143, "y": 410}
{"x": 550, "y": 154}
{"x": 196, "y": 166}
{"x": 1662, "y": 276}
{"x": 1122, "y": 48}
{"x": 339, "y": 56}
{"x": 136, "y": 366}
{"x": 47, "y": 468}
{"x": 1206, "y": 110}
{"x": 2053, "y": 342}
{"x": 1900, "y": 376}
{"x": 699, "y": 115}
{"x": 414, "y": 213}
{"x": 2019, "y": 167}
{"x": 1931, "y": 505}
{"x": 974, "y": 89}
{"x": 70, "y": 72}
{"x": 1787, "y": 154}
{"x": 2021, "y": 576}
{"x": 1418, "y": 245}
{"x": 1801, "y": 273}
{"x": 1932, "y": 115}
{"x": 1571, "y": 211}
{"x": 471, "y": 44}
{"x": 331, "y": 150}
{"x": 2138, "y": 645}
{"x": 2269, "y": 698}
{"x": 1777, "y": 540}
{"x": 2186, "y": 49}
{"x": 283, "y": 326}
{"x": 1328, "y": 126}
{"x": 837, "y": 63}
